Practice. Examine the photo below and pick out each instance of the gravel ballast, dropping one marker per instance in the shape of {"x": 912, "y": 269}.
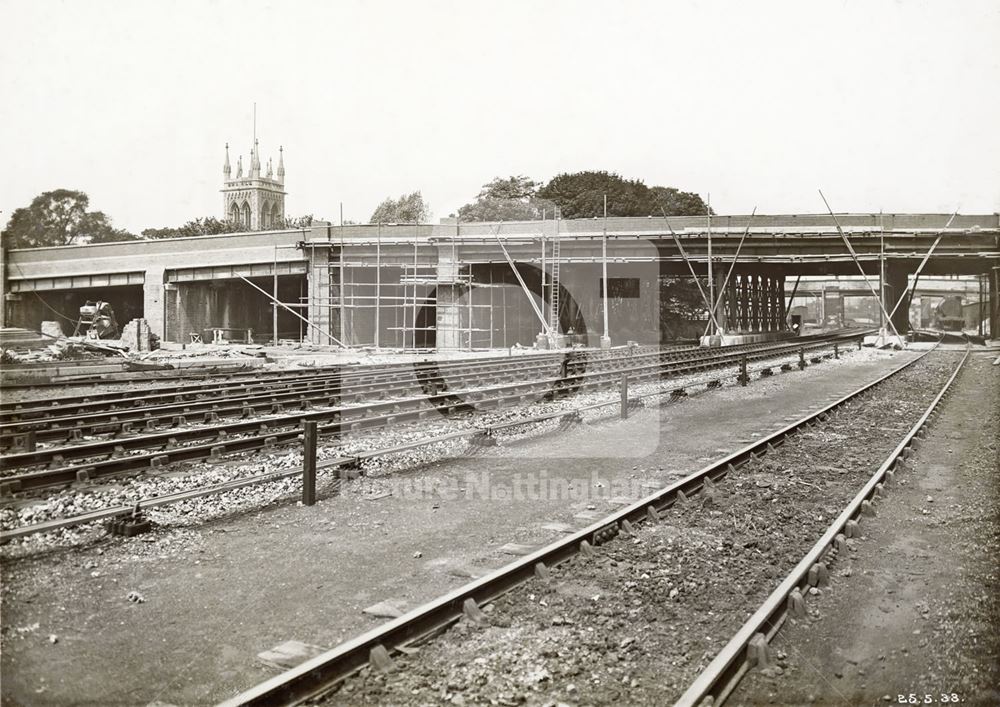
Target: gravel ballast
{"x": 128, "y": 490}
{"x": 637, "y": 621}
{"x": 249, "y": 581}
{"x": 912, "y": 608}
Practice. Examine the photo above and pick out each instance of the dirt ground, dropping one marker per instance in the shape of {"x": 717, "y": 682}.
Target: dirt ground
{"x": 915, "y": 611}
{"x": 216, "y": 595}
{"x": 638, "y": 619}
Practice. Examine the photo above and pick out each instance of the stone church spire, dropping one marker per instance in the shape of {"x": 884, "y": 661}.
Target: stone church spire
{"x": 254, "y": 200}
{"x": 281, "y": 165}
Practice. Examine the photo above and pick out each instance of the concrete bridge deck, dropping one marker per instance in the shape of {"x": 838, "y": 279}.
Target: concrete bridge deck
{"x": 306, "y": 263}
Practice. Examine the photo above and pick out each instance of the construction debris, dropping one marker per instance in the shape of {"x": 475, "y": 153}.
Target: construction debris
{"x": 137, "y": 336}
{"x": 23, "y": 339}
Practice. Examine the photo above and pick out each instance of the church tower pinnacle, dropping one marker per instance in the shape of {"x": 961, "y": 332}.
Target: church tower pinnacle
{"x": 251, "y": 201}
{"x": 255, "y": 160}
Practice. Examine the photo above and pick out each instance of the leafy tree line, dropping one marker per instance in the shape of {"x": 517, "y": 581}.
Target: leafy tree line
{"x": 60, "y": 217}
{"x": 577, "y": 195}
{"x": 408, "y": 208}
{"x": 211, "y": 226}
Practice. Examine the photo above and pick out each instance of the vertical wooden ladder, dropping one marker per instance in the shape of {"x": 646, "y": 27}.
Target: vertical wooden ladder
{"x": 554, "y": 288}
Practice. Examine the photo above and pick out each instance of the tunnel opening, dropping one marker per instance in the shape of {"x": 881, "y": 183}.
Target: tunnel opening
{"x": 234, "y": 311}
{"x": 63, "y": 306}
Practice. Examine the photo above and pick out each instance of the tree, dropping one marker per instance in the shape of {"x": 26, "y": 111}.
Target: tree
{"x": 581, "y": 195}
{"x": 113, "y": 235}
{"x": 409, "y": 208}
{"x": 677, "y": 203}
{"x": 682, "y": 309}
{"x": 511, "y": 199}
{"x": 208, "y": 226}
{"x": 211, "y": 226}
{"x": 300, "y": 221}
{"x": 59, "y": 217}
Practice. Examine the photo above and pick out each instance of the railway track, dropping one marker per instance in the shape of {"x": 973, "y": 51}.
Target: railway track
{"x": 749, "y": 645}
{"x": 475, "y": 434}
{"x": 150, "y": 390}
{"x": 126, "y": 451}
{"x": 68, "y": 418}
{"x": 319, "y": 675}
{"x": 208, "y": 378}
{"x": 366, "y": 379}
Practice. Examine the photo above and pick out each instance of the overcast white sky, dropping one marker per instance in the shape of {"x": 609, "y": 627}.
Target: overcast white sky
{"x": 884, "y": 105}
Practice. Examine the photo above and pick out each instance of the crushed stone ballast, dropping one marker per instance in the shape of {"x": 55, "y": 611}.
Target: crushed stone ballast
{"x": 91, "y": 459}
{"x": 376, "y": 647}
{"x": 434, "y": 441}
{"x": 749, "y": 646}
{"x": 63, "y": 420}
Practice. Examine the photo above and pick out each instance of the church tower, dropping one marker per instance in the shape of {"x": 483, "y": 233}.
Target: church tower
{"x": 252, "y": 201}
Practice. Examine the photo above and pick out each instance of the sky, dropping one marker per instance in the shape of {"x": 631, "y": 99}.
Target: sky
{"x": 883, "y": 105}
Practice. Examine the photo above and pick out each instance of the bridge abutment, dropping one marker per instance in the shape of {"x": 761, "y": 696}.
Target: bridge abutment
{"x": 322, "y": 282}
{"x": 154, "y": 300}
{"x": 994, "y": 288}
{"x": 896, "y": 283}
{"x": 448, "y": 314}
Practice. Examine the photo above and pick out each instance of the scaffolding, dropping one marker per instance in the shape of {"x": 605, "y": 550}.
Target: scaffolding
{"x": 554, "y": 259}
{"x": 394, "y": 299}
{"x": 362, "y": 303}
{"x": 393, "y": 296}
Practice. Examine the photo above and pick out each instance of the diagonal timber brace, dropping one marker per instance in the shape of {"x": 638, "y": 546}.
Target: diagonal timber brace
{"x": 704, "y": 297}
{"x": 284, "y": 306}
{"x": 854, "y": 256}
{"x": 527, "y": 292}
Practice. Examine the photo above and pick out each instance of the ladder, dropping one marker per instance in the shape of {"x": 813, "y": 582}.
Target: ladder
{"x": 554, "y": 288}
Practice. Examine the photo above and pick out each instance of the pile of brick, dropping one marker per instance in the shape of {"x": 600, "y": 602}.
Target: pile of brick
{"x": 22, "y": 339}
{"x": 137, "y": 336}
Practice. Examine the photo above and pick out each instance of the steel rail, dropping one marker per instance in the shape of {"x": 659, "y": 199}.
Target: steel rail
{"x": 721, "y": 676}
{"x": 125, "y": 377}
{"x": 253, "y": 480}
{"x": 318, "y": 675}
{"x": 216, "y": 438}
{"x": 572, "y": 414}
{"x": 194, "y": 376}
{"x": 114, "y": 511}
{"x": 68, "y": 425}
{"x": 635, "y": 400}
{"x": 117, "y": 463}
{"x": 234, "y": 375}
{"x": 23, "y": 411}
{"x": 120, "y": 421}
{"x": 263, "y": 379}
{"x": 324, "y": 388}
